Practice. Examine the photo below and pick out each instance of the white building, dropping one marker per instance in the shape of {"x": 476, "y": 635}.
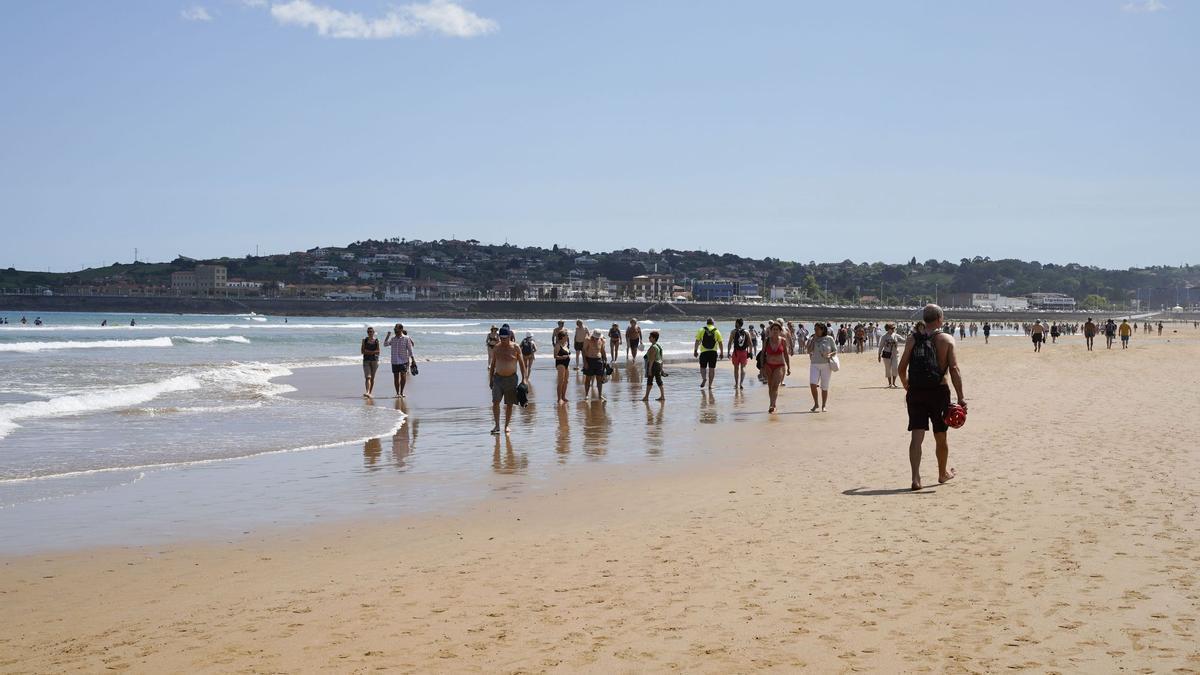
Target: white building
{"x": 1053, "y": 301}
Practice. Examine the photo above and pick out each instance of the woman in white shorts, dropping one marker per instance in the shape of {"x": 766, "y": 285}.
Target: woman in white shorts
{"x": 821, "y": 348}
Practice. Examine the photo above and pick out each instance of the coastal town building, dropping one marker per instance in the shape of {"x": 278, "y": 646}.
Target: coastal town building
{"x": 1053, "y": 301}
{"x": 991, "y": 301}
{"x": 722, "y": 290}
{"x": 201, "y": 279}
{"x": 652, "y": 286}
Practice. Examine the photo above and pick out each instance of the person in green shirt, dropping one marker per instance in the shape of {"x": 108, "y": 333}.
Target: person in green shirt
{"x": 654, "y": 364}
{"x": 708, "y": 348}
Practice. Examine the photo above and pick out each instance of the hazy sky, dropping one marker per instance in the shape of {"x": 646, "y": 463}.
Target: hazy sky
{"x": 1056, "y": 131}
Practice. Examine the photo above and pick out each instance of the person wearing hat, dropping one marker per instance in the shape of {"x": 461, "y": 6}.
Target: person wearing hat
{"x": 528, "y": 349}
{"x": 504, "y": 364}
{"x": 595, "y": 368}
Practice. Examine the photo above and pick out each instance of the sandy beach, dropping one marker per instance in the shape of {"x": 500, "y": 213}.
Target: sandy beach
{"x": 1070, "y": 542}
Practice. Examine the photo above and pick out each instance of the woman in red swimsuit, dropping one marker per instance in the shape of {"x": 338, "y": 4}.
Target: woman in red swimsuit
{"x": 775, "y": 362}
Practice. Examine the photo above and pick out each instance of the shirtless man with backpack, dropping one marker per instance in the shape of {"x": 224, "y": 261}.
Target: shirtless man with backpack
{"x": 929, "y": 355}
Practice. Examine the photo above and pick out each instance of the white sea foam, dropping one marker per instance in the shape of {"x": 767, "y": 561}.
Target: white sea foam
{"x": 105, "y": 399}
{"x": 208, "y": 340}
{"x": 29, "y": 347}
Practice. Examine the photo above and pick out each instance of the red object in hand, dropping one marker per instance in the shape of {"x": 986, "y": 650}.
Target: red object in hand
{"x": 956, "y": 416}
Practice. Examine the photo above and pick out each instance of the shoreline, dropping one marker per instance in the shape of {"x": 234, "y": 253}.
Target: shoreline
{"x": 797, "y": 546}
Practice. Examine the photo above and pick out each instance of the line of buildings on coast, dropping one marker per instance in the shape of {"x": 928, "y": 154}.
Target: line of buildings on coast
{"x": 213, "y": 280}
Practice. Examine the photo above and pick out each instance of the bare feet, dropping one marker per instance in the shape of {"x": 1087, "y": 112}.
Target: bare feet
{"x": 661, "y": 398}
{"x": 812, "y": 409}
{"x": 507, "y": 430}
{"x": 771, "y": 410}
{"x": 916, "y": 485}
{"x": 950, "y": 473}
{"x": 495, "y": 431}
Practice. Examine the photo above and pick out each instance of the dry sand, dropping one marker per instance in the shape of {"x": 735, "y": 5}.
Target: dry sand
{"x": 1068, "y": 543}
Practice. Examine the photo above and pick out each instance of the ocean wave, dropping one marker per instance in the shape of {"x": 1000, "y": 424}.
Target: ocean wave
{"x": 29, "y": 347}
{"x": 238, "y": 377}
{"x": 208, "y": 340}
{"x": 106, "y": 399}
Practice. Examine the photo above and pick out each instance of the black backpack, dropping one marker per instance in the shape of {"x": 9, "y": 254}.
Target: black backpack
{"x": 923, "y": 370}
{"x": 709, "y": 341}
{"x": 741, "y": 339}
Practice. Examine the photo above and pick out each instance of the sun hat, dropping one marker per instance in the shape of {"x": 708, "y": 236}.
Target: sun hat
{"x": 506, "y": 332}
{"x": 596, "y": 332}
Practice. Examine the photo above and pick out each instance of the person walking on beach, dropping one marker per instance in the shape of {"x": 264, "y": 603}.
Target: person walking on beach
{"x": 528, "y": 349}
{"x": 889, "y": 354}
{"x": 1089, "y": 333}
{"x": 987, "y": 332}
{"x": 654, "y": 367}
{"x": 1126, "y": 330}
{"x": 370, "y": 354}
{"x": 708, "y": 342}
{"x": 1110, "y": 332}
{"x": 739, "y": 353}
{"x": 1038, "y": 334}
{"x": 562, "y": 361}
{"x": 821, "y": 351}
{"x": 504, "y": 364}
{"x": 581, "y": 334}
{"x": 402, "y": 356}
{"x": 595, "y": 368}
{"x": 493, "y": 339}
{"x": 633, "y": 339}
{"x": 929, "y": 355}
{"x": 777, "y": 361}
{"x": 614, "y": 342}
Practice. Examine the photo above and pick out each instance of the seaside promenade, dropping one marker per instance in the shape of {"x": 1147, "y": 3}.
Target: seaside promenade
{"x": 1069, "y": 542}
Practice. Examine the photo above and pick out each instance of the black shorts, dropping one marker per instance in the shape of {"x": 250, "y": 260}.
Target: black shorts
{"x": 708, "y": 359}
{"x": 579, "y": 345}
{"x": 926, "y": 405}
{"x": 633, "y": 344}
{"x": 398, "y": 368}
{"x": 594, "y": 367}
{"x": 1038, "y": 337}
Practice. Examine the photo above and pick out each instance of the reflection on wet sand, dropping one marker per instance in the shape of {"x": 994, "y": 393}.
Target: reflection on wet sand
{"x": 708, "y": 407}
{"x": 404, "y": 442}
{"x": 372, "y": 449}
{"x": 562, "y": 434}
{"x": 508, "y": 462}
{"x": 596, "y": 426}
{"x": 654, "y": 432}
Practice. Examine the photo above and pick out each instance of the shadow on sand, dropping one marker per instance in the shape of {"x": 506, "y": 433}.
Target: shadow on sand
{"x": 864, "y": 492}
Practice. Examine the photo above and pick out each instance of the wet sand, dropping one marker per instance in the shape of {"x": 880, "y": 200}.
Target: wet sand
{"x": 1068, "y": 543}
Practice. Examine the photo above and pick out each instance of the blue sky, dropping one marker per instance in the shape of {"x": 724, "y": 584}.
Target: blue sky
{"x": 1056, "y": 131}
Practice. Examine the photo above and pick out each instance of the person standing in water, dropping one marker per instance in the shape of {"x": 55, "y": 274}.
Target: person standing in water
{"x": 370, "y": 354}
{"x": 929, "y": 355}
{"x": 562, "y": 362}
{"x": 528, "y": 349}
{"x": 708, "y": 348}
{"x": 504, "y": 364}
{"x": 654, "y": 368}
{"x": 633, "y": 338}
{"x": 595, "y": 368}
{"x": 777, "y": 361}
{"x": 614, "y": 342}
{"x": 739, "y": 353}
{"x": 581, "y": 335}
{"x": 889, "y": 354}
{"x": 402, "y": 356}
